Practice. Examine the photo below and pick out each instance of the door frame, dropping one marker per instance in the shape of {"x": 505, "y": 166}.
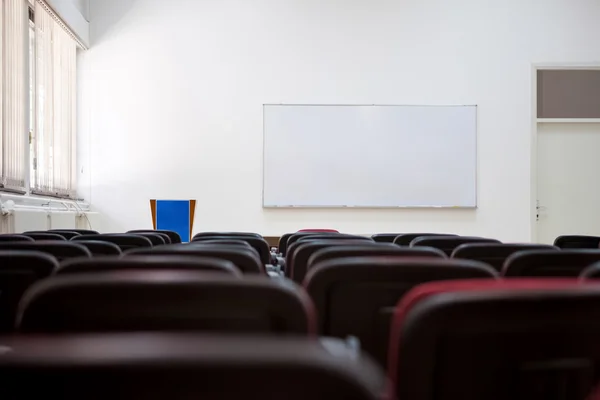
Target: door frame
{"x": 534, "y": 130}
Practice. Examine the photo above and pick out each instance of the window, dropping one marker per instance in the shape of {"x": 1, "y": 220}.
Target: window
{"x": 38, "y": 101}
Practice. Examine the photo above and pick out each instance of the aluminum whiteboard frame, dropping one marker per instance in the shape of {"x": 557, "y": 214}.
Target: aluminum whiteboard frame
{"x": 342, "y": 207}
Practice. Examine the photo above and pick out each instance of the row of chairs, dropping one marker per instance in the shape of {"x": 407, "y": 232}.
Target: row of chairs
{"x": 472, "y": 339}
{"x": 354, "y": 295}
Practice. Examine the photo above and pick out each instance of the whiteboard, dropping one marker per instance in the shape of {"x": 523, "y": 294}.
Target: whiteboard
{"x": 369, "y": 156}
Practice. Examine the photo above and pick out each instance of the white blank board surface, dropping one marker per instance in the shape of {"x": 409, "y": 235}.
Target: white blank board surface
{"x": 370, "y": 156}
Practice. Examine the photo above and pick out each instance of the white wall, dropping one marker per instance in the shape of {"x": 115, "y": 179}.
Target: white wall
{"x": 175, "y": 94}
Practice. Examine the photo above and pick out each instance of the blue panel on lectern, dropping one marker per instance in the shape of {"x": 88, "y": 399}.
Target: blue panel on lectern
{"x": 174, "y": 215}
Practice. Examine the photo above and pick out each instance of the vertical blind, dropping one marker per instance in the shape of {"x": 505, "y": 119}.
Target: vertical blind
{"x": 55, "y": 107}
{"x": 14, "y": 17}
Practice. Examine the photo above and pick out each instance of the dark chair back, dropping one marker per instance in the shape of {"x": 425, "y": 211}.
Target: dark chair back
{"x": 299, "y": 235}
{"x": 258, "y": 243}
{"x": 591, "y": 272}
{"x": 124, "y": 241}
{"x": 65, "y": 234}
{"x": 46, "y": 236}
{"x": 80, "y": 231}
{"x": 356, "y": 296}
{"x": 221, "y": 234}
{"x": 164, "y": 301}
{"x": 405, "y": 239}
{"x": 19, "y": 269}
{"x": 174, "y": 237}
{"x": 550, "y": 263}
{"x": 514, "y": 339}
{"x": 176, "y": 366}
{"x": 448, "y": 243}
{"x": 370, "y": 250}
{"x": 297, "y": 263}
{"x": 494, "y": 254}
{"x": 59, "y": 249}
{"x": 155, "y": 238}
{"x": 219, "y": 242}
{"x": 282, "y": 246}
{"x": 148, "y": 263}
{"x": 8, "y": 237}
{"x": 385, "y": 237}
{"x": 100, "y": 248}
{"x": 243, "y": 258}
{"x": 577, "y": 242}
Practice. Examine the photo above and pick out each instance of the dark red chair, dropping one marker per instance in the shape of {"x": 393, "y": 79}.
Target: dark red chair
{"x": 176, "y": 366}
{"x": 483, "y": 339}
{"x": 356, "y": 296}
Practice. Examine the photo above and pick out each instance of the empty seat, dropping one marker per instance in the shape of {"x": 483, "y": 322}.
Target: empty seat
{"x": 494, "y": 254}
{"x": 515, "y": 339}
{"x": 373, "y": 249}
{"x": 61, "y": 250}
{"x": 319, "y": 230}
{"x": 591, "y": 272}
{"x": 174, "y": 237}
{"x": 448, "y": 243}
{"x": 258, "y": 243}
{"x": 155, "y": 238}
{"x": 148, "y": 262}
{"x": 243, "y": 258}
{"x": 227, "y": 242}
{"x": 15, "y": 238}
{"x": 404, "y": 239}
{"x": 577, "y": 242}
{"x": 124, "y": 241}
{"x": 385, "y": 237}
{"x": 299, "y": 235}
{"x": 80, "y": 231}
{"x": 18, "y": 270}
{"x": 100, "y": 248}
{"x": 65, "y": 234}
{"x": 356, "y": 296}
{"x": 282, "y": 245}
{"x": 549, "y": 263}
{"x": 291, "y": 252}
{"x": 297, "y": 262}
{"x": 221, "y": 234}
{"x": 184, "y": 366}
{"x": 164, "y": 301}
{"x": 44, "y": 236}
{"x": 341, "y": 236}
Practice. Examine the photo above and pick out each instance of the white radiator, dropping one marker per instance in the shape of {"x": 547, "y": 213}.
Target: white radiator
{"x": 20, "y": 214}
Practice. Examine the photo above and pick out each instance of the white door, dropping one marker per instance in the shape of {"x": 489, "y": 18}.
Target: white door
{"x": 568, "y": 180}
